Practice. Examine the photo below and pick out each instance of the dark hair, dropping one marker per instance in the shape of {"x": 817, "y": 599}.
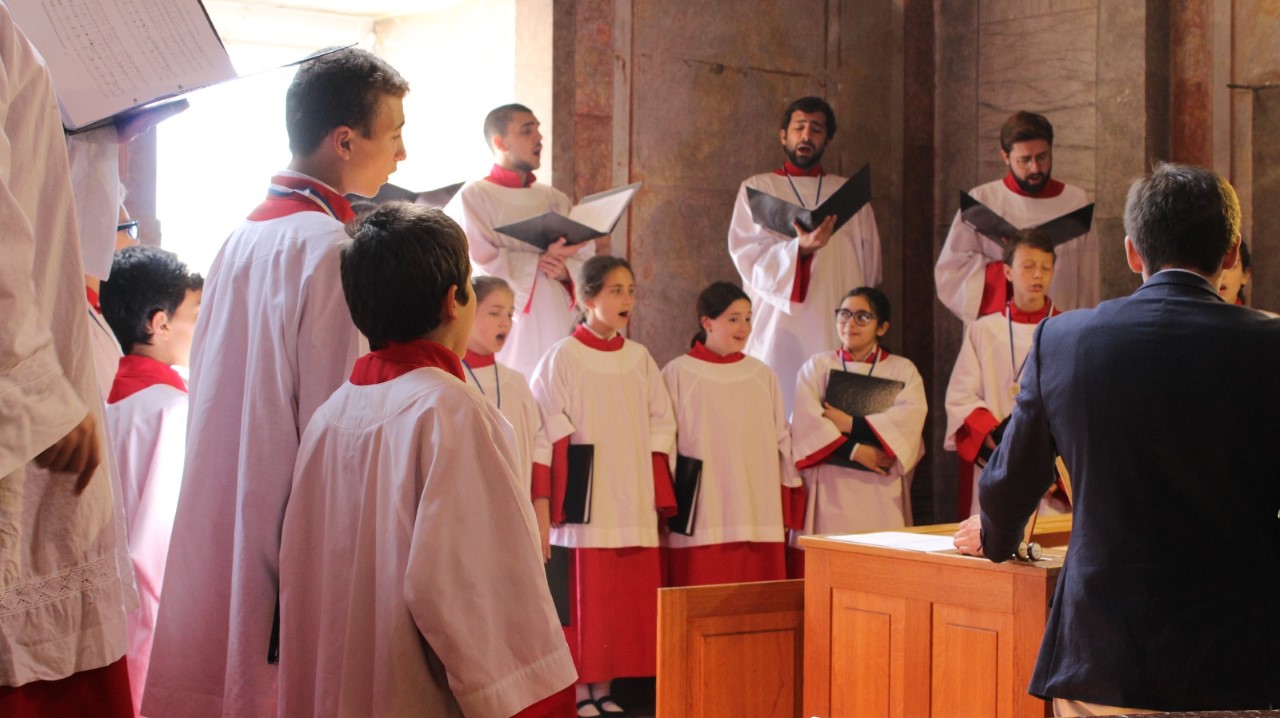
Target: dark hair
{"x": 714, "y": 301}
{"x": 592, "y": 275}
{"x": 811, "y": 105}
{"x": 1032, "y": 237}
{"x": 144, "y": 280}
{"x": 340, "y": 89}
{"x": 498, "y": 119}
{"x": 876, "y": 298}
{"x": 1024, "y": 126}
{"x": 1182, "y": 216}
{"x": 484, "y": 285}
{"x": 396, "y": 268}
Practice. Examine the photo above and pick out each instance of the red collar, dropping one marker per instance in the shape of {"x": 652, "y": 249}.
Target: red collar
{"x": 137, "y": 372}
{"x": 1052, "y": 188}
{"x": 290, "y": 194}
{"x": 478, "y": 361}
{"x": 789, "y": 169}
{"x": 509, "y": 178}
{"x": 93, "y": 299}
{"x": 700, "y": 351}
{"x": 399, "y": 358}
{"x": 584, "y": 334}
{"x": 880, "y": 356}
{"x": 1020, "y": 317}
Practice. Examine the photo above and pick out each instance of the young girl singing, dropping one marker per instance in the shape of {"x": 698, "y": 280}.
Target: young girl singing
{"x": 876, "y": 496}
{"x": 508, "y": 390}
{"x": 598, "y": 389}
{"x": 730, "y": 419}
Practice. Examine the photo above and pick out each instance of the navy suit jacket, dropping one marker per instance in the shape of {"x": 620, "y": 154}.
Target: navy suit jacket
{"x": 1165, "y": 406}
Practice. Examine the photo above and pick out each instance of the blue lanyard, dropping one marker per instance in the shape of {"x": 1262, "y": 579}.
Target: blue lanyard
{"x": 497, "y": 381}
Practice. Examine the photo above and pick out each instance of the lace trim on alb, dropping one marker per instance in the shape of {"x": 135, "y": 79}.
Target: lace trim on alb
{"x": 26, "y": 596}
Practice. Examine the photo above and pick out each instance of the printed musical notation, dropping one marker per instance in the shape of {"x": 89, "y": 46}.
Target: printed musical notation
{"x": 107, "y": 56}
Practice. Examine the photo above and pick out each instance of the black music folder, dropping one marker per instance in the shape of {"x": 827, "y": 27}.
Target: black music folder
{"x": 859, "y": 396}
{"x": 984, "y": 452}
{"x": 688, "y": 482}
{"x": 986, "y": 222}
{"x": 577, "y": 492}
{"x": 595, "y": 216}
{"x": 778, "y": 214}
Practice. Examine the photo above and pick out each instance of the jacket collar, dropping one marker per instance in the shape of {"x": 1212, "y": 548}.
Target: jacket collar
{"x": 1182, "y": 279}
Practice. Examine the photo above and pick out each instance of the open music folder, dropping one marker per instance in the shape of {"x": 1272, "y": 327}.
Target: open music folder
{"x": 778, "y": 214}
{"x": 595, "y": 216}
{"x": 986, "y": 222}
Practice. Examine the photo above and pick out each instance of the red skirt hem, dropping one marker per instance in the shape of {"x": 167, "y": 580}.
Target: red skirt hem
{"x": 613, "y": 612}
{"x": 737, "y": 562}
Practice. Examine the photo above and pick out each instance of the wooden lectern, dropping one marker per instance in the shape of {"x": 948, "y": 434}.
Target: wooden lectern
{"x": 891, "y": 632}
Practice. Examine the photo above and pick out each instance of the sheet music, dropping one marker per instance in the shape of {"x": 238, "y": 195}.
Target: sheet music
{"x": 601, "y": 211}
{"x": 901, "y": 540}
{"x": 107, "y": 56}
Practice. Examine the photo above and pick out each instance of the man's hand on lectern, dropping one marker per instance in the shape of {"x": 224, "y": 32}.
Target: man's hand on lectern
{"x": 968, "y": 538}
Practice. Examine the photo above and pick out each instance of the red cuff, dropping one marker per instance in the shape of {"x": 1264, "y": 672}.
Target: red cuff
{"x": 559, "y": 478}
{"x": 557, "y": 705}
{"x": 820, "y": 455}
{"x": 995, "y": 290}
{"x": 541, "y": 488}
{"x": 664, "y": 493}
{"x": 973, "y": 432}
{"x": 800, "y": 287}
{"x": 794, "y": 500}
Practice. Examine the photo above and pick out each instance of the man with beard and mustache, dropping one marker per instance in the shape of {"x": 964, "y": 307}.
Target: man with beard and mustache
{"x": 795, "y": 283}
{"x": 543, "y": 281}
{"x": 970, "y": 270}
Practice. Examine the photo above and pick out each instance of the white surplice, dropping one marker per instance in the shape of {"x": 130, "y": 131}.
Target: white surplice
{"x": 616, "y": 401}
{"x": 730, "y": 416}
{"x": 149, "y": 432}
{"x": 499, "y": 382}
{"x": 273, "y": 341}
{"x": 544, "y": 307}
{"x": 786, "y": 333}
{"x": 65, "y": 584}
{"x": 962, "y": 264}
{"x": 844, "y": 500}
{"x": 408, "y": 546}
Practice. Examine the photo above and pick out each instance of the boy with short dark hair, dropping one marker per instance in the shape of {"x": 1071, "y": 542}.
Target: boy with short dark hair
{"x": 275, "y": 339}
{"x": 984, "y": 381}
{"x": 150, "y": 302}
{"x": 408, "y": 543}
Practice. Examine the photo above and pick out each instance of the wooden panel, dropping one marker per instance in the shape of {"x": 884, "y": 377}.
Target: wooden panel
{"x": 736, "y": 665}
{"x": 972, "y": 663}
{"x": 879, "y": 655}
{"x": 732, "y": 650}
{"x": 919, "y": 577}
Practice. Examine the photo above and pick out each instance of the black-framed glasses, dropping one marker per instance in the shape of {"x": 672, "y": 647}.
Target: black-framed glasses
{"x": 861, "y": 317}
{"x": 130, "y": 228}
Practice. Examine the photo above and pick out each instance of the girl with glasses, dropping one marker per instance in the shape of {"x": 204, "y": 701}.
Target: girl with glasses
{"x": 856, "y": 469}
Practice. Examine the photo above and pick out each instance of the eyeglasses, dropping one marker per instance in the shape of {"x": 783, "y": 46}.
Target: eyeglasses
{"x": 130, "y": 228}
{"x": 1024, "y": 161}
{"x": 861, "y": 317}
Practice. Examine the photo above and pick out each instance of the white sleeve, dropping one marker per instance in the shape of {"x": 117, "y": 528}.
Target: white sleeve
{"x": 961, "y": 271}
{"x": 965, "y": 391}
{"x": 868, "y": 245}
{"x": 790, "y": 476}
{"x": 810, "y": 430}
{"x": 662, "y": 417}
{"x": 901, "y": 427}
{"x": 38, "y": 405}
{"x": 551, "y": 389}
{"x": 766, "y": 260}
{"x": 491, "y": 622}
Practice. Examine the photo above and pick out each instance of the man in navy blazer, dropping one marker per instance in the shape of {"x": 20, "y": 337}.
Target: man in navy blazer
{"x": 1165, "y": 406}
